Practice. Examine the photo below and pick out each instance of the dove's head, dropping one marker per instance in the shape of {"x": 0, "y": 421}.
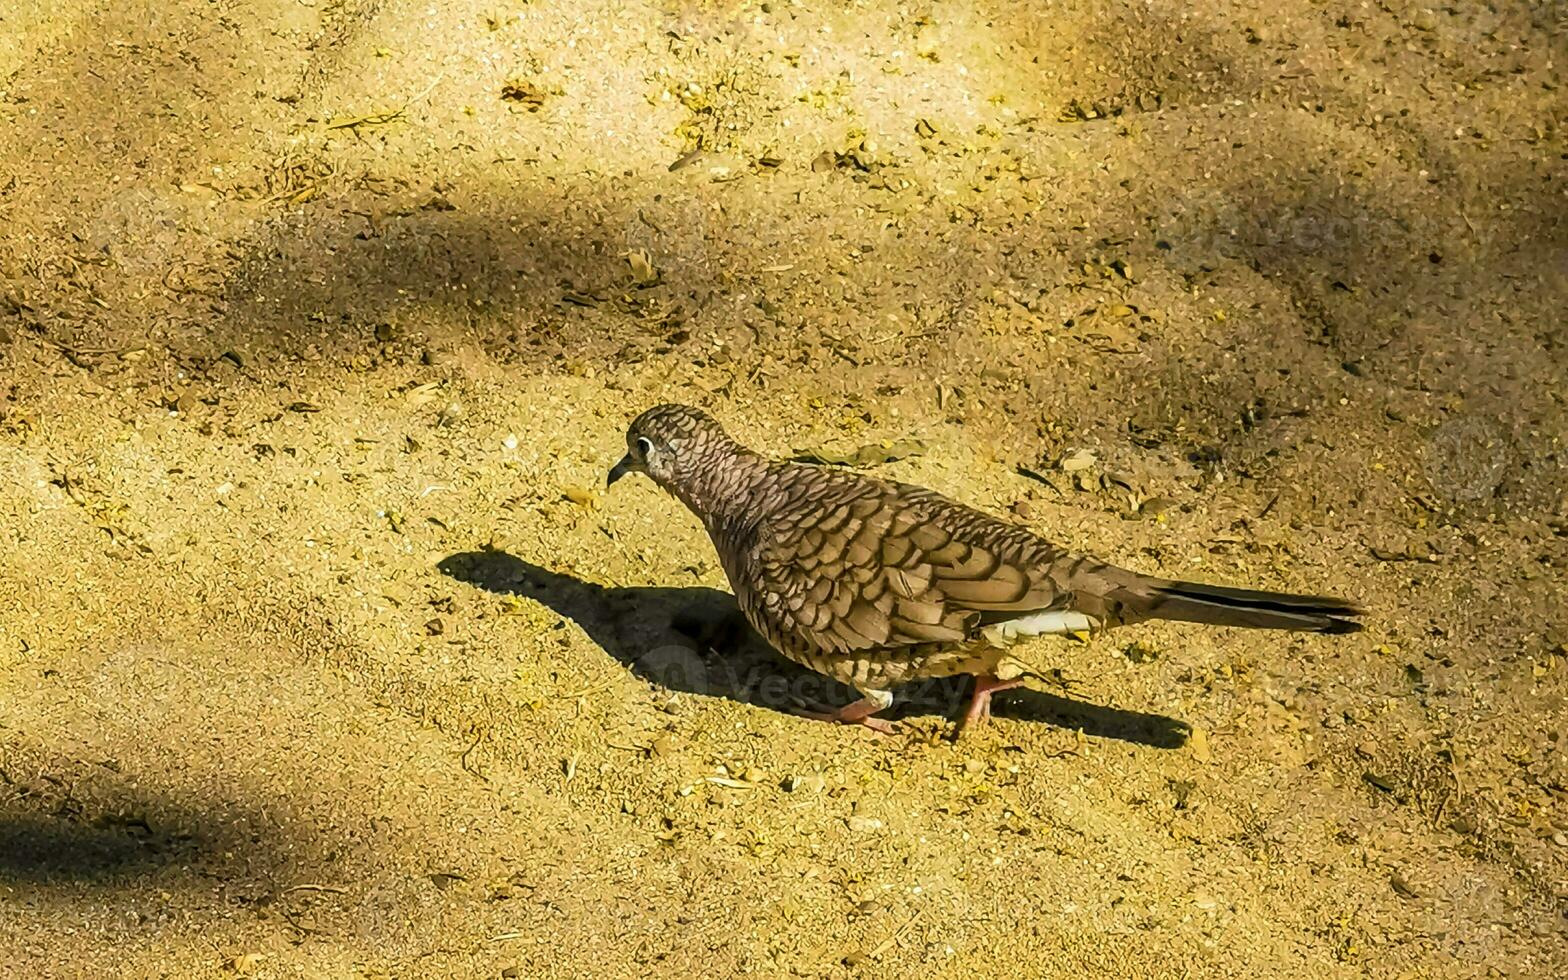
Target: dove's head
{"x": 673, "y": 444}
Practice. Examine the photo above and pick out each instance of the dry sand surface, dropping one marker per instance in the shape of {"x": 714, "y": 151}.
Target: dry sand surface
{"x": 324, "y": 654}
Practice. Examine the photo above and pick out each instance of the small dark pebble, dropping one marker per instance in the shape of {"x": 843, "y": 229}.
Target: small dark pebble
{"x": 1380, "y": 782}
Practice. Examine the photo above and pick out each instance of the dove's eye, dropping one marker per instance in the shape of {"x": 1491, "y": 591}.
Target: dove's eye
{"x": 644, "y": 447}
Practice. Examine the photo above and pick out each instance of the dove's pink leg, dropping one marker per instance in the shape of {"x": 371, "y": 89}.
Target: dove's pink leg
{"x": 862, "y": 712}
{"x": 980, "y": 703}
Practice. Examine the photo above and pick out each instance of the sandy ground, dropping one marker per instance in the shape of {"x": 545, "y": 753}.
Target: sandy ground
{"x": 322, "y": 654}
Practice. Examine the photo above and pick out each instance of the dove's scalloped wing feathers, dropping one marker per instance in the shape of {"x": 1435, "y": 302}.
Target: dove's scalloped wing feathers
{"x": 863, "y": 565}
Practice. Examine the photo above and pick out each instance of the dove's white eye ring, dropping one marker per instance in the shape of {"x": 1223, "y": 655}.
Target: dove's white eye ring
{"x": 644, "y": 446}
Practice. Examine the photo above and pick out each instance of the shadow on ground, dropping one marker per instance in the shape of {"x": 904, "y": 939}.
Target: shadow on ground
{"x": 64, "y": 822}
{"x": 43, "y": 848}
{"x": 694, "y": 640}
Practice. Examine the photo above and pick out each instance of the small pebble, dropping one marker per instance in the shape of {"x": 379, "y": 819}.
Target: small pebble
{"x": 1078, "y": 461}
{"x": 811, "y": 782}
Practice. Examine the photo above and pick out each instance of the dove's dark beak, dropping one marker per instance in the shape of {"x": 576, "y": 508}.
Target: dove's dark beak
{"x": 625, "y": 466}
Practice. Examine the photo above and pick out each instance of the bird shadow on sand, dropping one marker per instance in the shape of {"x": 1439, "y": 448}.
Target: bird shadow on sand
{"x": 694, "y": 639}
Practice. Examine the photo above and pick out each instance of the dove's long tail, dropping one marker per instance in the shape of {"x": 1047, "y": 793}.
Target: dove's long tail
{"x": 1217, "y": 605}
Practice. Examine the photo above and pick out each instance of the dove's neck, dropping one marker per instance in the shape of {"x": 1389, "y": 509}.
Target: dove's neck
{"x": 719, "y": 487}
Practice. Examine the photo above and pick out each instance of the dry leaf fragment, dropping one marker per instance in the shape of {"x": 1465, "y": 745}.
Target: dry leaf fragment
{"x": 642, "y": 267}
{"x": 1198, "y": 741}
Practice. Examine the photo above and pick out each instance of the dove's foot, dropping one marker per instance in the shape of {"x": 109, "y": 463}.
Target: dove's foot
{"x": 862, "y": 712}
{"x": 980, "y": 701}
